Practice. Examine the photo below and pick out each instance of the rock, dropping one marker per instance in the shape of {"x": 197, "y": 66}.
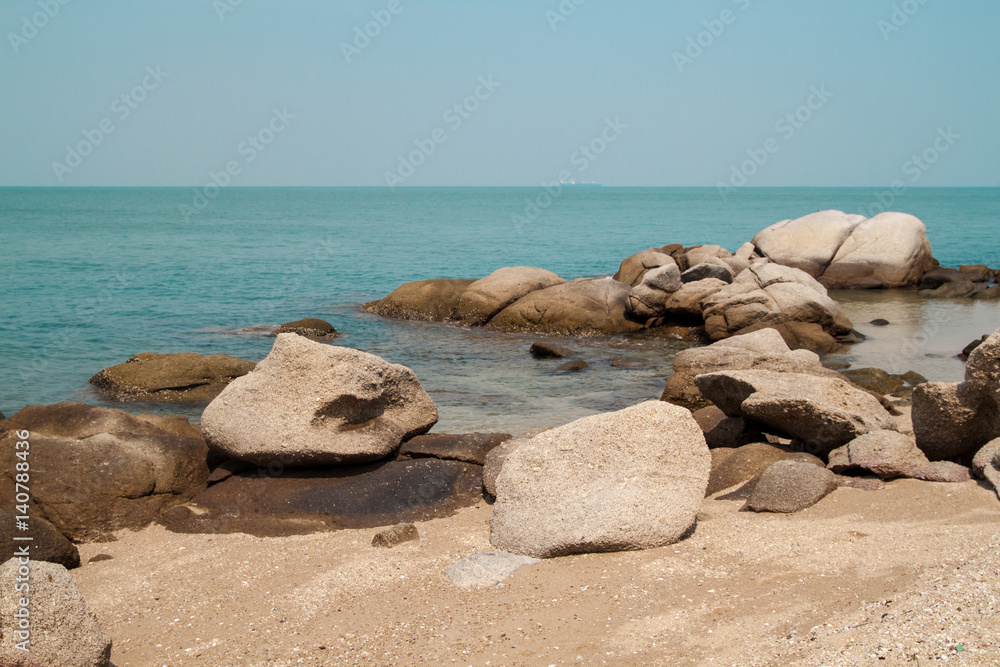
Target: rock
{"x": 2, "y": 418}
{"x": 725, "y": 432}
{"x": 468, "y": 447}
{"x": 398, "y": 534}
{"x": 879, "y": 322}
{"x": 185, "y": 377}
{"x": 488, "y": 296}
{"x": 97, "y": 470}
{"x": 310, "y": 327}
{"x": 913, "y": 378}
{"x": 991, "y": 293}
{"x": 326, "y": 499}
{"x": 100, "y": 558}
{"x": 822, "y": 412}
{"x": 800, "y": 336}
{"x": 874, "y": 379}
{"x": 956, "y": 290}
{"x": 494, "y": 463}
{"x": 708, "y": 418}
{"x": 984, "y": 458}
{"x": 791, "y": 486}
{"x": 764, "y": 349}
{"x": 979, "y": 273}
{"x": 314, "y": 404}
{"x": 863, "y": 483}
{"x": 892, "y": 455}
{"x": 707, "y": 270}
{"x": 583, "y": 307}
{"x": 700, "y": 254}
{"x": 634, "y": 268}
{"x": 630, "y": 364}
{"x": 632, "y": 479}
{"x": 485, "y": 569}
{"x": 952, "y": 420}
{"x": 648, "y": 299}
{"x": 742, "y": 465}
{"x": 543, "y": 350}
{"x": 430, "y": 300}
{"x": 941, "y": 276}
{"x": 573, "y": 366}
{"x": 991, "y": 473}
{"x": 808, "y": 243}
{"x": 772, "y": 294}
{"x": 968, "y": 349}
{"x": 687, "y": 301}
{"x": 47, "y": 543}
{"x": 63, "y": 630}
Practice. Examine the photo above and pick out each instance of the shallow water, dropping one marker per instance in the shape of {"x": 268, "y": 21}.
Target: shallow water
{"x": 92, "y": 276}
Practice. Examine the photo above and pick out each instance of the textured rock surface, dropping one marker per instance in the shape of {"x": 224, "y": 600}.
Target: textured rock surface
{"x": 791, "y": 486}
{"x": 494, "y": 463}
{"x": 706, "y": 270}
{"x": 64, "y": 631}
{"x": 823, "y": 412}
{"x": 431, "y": 300}
{"x": 892, "y": 455}
{"x": 47, "y": 543}
{"x": 649, "y": 298}
{"x": 687, "y": 301}
{"x": 583, "y": 307}
{"x": 485, "y": 569}
{"x": 634, "y": 268}
{"x": 488, "y": 296}
{"x": 314, "y": 404}
{"x": 632, "y": 479}
{"x": 742, "y": 465}
{"x": 468, "y": 447}
{"x": 398, "y": 534}
{"x": 310, "y": 327}
{"x": 97, "y": 470}
{"x": 185, "y": 377}
{"x": 808, "y": 243}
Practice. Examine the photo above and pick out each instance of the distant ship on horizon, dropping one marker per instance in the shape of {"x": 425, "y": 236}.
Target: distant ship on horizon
{"x": 581, "y": 184}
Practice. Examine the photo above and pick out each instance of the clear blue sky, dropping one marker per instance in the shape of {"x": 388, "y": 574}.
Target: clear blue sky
{"x": 892, "y": 91}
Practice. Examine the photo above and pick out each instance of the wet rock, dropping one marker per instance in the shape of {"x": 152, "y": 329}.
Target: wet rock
{"x": 543, "y": 350}
{"x": 64, "y": 631}
{"x": 879, "y": 322}
{"x": 979, "y": 273}
{"x": 632, "y": 479}
{"x": 185, "y": 377}
{"x": 573, "y": 366}
{"x": 631, "y": 364}
{"x": 583, "y": 307}
{"x": 314, "y": 404}
{"x": 430, "y": 300}
{"x": 913, "y": 378}
{"x": 874, "y": 379}
{"x": 467, "y": 447}
{"x": 298, "y": 502}
{"x": 47, "y": 543}
{"x": 791, "y": 486}
{"x": 488, "y": 296}
{"x": 97, "y": 470}
{"x": 485, "y": 569}
{"x": 940, "y": 276}
{"x": 311, "y": 327}
{"x": 968, "y": 349}
{"x": 892, "y": 455}
{"x": 398, "y": 534}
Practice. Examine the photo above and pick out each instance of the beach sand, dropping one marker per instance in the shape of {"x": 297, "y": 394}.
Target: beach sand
{"x": 909, "y": 574}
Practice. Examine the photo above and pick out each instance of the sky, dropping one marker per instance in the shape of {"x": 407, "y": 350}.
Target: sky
{"x": 499, "y": 92}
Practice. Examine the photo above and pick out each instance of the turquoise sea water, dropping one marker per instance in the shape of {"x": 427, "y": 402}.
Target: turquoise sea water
{"x": 93, "y": 276}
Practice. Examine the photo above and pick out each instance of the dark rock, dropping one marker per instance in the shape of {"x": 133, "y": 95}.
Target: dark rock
{"x": 791, "y": 486}
{"x": 965, "y": 289}
{"x": 185, "y": 377}
{"x": 2, "y": 418}
{"x": 741, "y": 465}
{"x": 874, "y": 379}
{"x": 852, "y": 337}
{"x": 879, "y": 322}
{"x": 100, "y": 558}
{"x": 543, "y": 350}
{"x": 431, "y": 300}
{"x": 836, "y": 365}
{"x": 467, "y": 447}
{"x": 97, "y": 470}
{"x": 573, "y": 366}
{"x": 631, "y": 364}
{"x": 308, "y": 501}
{"x": 310, "y": 327}
{"x": 398, "y": 534}
{"x": 708, "y": 417}
{"x": 913, "y": 378}
{"x": 733, "y": 432}
{"x": 979, "y": 273}
{"x": 968, "y": 349}
{"x": 942, "y": 276}
{"x": 47, "y": 543}
{"x": 707, "y": 270}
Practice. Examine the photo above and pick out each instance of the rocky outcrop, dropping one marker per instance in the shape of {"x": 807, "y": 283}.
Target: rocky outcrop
{"x": 791, "y": 486}
{"x": 632, "y": 479}
{"x": 764, "y": 349}
{"x": 314, "y": 404}
{"x": 97, "y": 470}
{"x": 310, "y": 327}
{"x": 184, "y": 377}
{"x": 771, "y": 294}
{"x": 63, "y": 630}
{"x": 892, "y": 455}
{"x": 849, "y": 252}
{"x": 433, "y": 300}
{"x": 468, "y": 447}
{"x": 822, "y": 412}
{"x": 648, "y": 299}
{"x": 742, "y": 464}
{"x": 686, "y": 303}
{"x": 633, "y": 269}
{"x": 583, "y": 307}
{"x": 47, "y": 543}
{"x": 952, "y": 420}
{"x": 488, "y": 296}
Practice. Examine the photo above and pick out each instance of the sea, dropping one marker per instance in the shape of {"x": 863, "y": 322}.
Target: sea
{"x": 92, "y": 276}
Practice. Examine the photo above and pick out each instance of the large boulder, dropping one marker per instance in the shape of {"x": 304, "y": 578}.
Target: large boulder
{"x": 184, "y": 377}
{"x": 488, "y": 296}
{"x": 686, "y": 303}
{"x": 63, "y": 630}
{"x": 764, "y": 349}
{"x": 583, "y": 307}
{"x": 96, "y": 470}
{"x": 468, "y": 447}
{"x": 809, "y": 243}
{"x": 648, "y": 299}
{"x": 314, "y": 404}
{"x": 742, "y": 464}
{"x": 634, "y": 268}
{"x": 309, "y": 327}
{"x": 823, "y": 412}
{"x": 957, "y": 419}
{"x": 632, "y": 479}
{"x": 47, "y": 543}
{"x": 791, "y": 486}
{"x": 433, "y": 300}
{"x": 771, "y": 294}
{"x": 892, "y": 455}
{"x": 700, "y": 254}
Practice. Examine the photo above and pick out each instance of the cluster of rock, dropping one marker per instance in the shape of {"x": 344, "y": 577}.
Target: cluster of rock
{"x": 975, "y": 281}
